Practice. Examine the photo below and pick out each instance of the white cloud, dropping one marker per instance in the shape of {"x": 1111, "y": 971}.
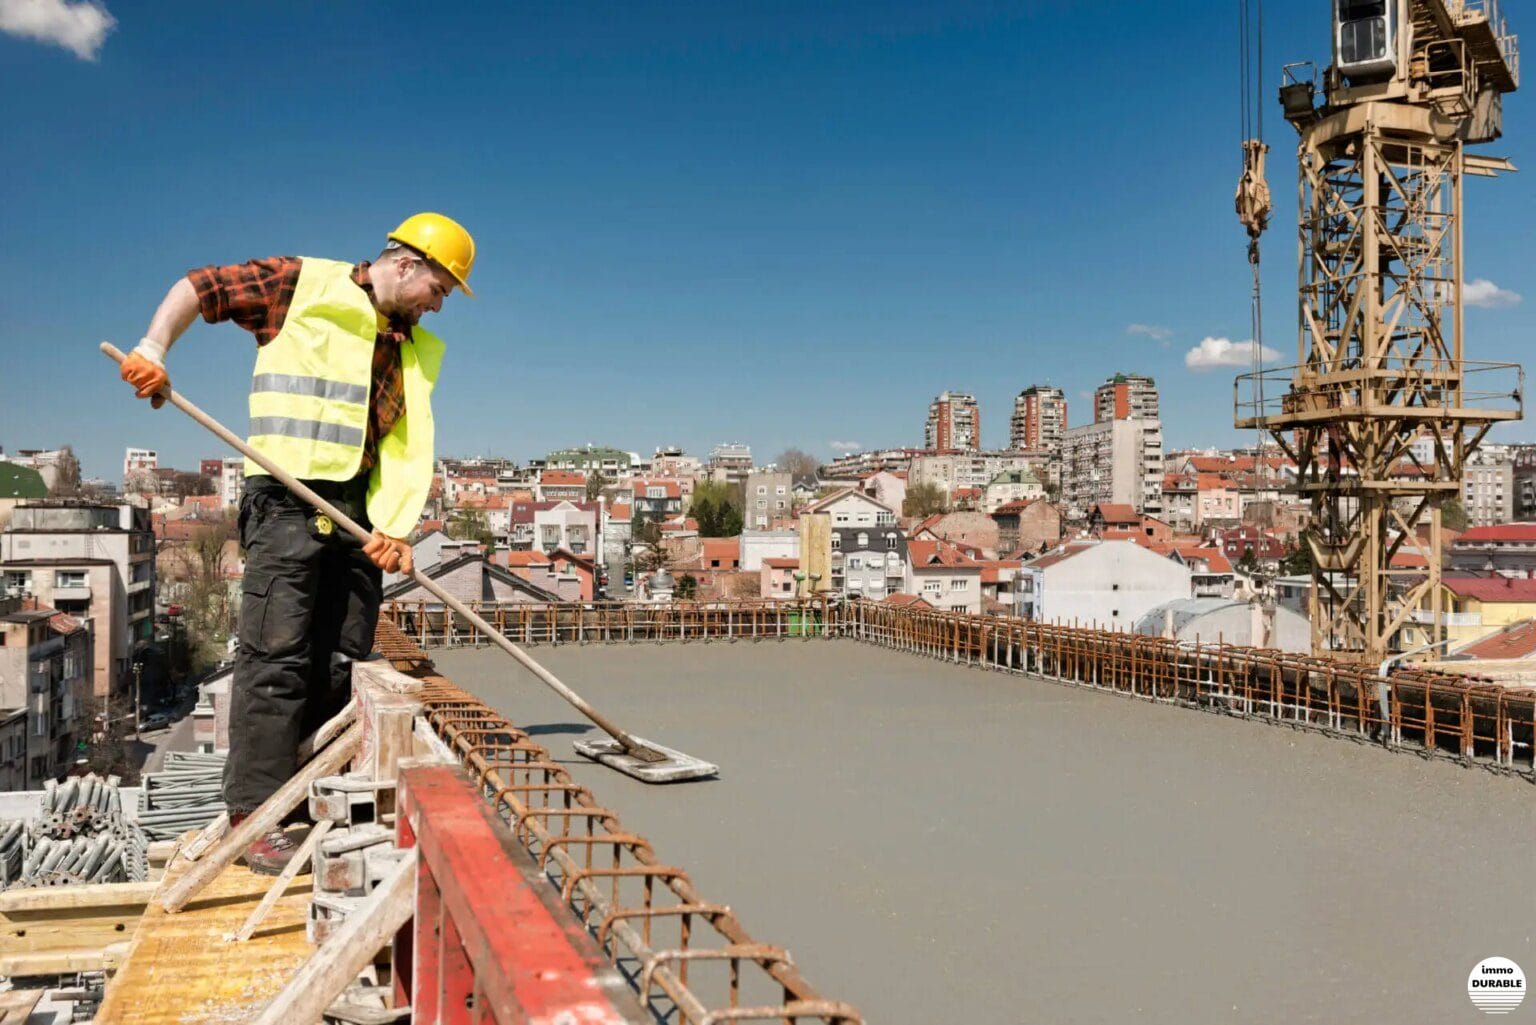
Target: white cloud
{"x": 842, "y": 448}
{"x": 1485, "y": 293}
{"x": 1152, "y": 331}
{"x": 78, "y": 27}
{"x": 1223, "y": 352}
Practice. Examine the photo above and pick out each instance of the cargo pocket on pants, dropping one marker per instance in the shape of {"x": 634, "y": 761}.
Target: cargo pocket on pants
{"x": 255, "y": 590}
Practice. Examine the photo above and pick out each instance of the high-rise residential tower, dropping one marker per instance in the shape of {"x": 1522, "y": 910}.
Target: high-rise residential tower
{"x": 954, "y": 424}
{"x": 1039, "y": 417}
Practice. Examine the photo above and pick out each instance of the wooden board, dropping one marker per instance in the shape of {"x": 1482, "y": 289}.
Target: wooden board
{"x": 180, "y": 969}
{"x": 50, "y": 930}
{"x": 16, "y": 1005}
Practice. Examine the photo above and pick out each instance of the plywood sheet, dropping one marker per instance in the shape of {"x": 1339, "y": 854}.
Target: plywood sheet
{"x": 180, "y": 969}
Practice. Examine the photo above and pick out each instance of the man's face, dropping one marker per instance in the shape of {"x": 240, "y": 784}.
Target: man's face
{"x": 422, "y": 289}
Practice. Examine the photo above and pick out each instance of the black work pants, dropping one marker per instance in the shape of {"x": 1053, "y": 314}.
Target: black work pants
{"x": 310, "y": 604}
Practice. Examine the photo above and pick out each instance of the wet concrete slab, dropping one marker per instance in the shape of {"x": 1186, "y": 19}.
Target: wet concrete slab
{"x": 941, "y": 844}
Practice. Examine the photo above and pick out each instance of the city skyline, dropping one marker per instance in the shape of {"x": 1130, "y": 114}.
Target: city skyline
{"x": 716, "y": 217}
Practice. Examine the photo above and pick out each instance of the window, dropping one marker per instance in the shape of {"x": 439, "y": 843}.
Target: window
{"x": 69, "y": 578}
{"x": 18, "y": 581}
{"x": 863, "y": 540}
{"x": 958, "y": 584}
{"x": 837, "y": 542}
{"x": 854, "y": 562}
{"x": 842, "y": 517}
{"x": 762, "y": 489}
{"x": 890, "y": 541}
{"x": 780, "y": 490}
{"x": 933, "y": 586}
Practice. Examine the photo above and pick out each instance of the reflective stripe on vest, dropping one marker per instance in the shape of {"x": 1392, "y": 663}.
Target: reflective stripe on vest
{"x": 319, "y": 387}
{"x": 312, "y": 430}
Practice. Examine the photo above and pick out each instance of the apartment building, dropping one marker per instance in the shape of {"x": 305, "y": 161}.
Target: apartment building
{"x": 943, "y": 576}
{"x": 1126, "y": 397}
{"x": 954, "y": 423}
{"x": 1117, "y": 461}
{"x": 1039, "y": 418}
{"x": 869, "y": 550}
{"x": 951, "y": 471}
{"x": 768, "y": 497}
{"x": 1488, "y": 490}
{"x": 89, "y": 561}
{"x": 45, "y": 671}
{"x": 139, "y": 466}
{"x": 228, "y": 476}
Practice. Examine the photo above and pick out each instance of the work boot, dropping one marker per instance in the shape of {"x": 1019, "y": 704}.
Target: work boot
{"x": 270, "y": 854}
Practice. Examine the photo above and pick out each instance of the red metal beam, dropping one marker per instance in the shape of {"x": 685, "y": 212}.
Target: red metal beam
{"x": 490, "y": 942}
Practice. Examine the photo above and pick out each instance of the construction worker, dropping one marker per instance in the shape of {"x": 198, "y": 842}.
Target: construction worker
{"x": 340, "y": 398}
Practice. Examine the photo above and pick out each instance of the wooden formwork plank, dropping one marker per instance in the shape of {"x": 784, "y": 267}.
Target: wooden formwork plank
{"x": 181, "y": 969}
{"x": 67, "y": 928}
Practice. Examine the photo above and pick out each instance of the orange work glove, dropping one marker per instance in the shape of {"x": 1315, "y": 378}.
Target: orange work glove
{"x": 390, "y": 554}
{"x": 147, "y": 377}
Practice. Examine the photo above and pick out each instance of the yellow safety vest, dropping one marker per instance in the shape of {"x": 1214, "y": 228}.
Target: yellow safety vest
{"x": 309, "y": 397}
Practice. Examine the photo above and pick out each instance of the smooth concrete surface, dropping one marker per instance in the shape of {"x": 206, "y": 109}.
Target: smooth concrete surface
{"x": 936, "y": 843}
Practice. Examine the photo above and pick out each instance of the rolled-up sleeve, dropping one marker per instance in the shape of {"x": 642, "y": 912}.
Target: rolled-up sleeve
{"x": 255, "y": 294}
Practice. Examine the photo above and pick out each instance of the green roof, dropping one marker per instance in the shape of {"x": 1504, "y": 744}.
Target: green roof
{"x": 21, "y": 482}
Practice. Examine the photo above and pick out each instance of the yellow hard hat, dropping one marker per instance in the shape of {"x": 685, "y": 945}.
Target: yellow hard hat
{"x": 444, "y": 240}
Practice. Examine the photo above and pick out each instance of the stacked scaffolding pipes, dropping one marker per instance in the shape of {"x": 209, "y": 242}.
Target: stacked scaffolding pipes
{"x": 187, "y": 793}
{"x": 79, "y": 836}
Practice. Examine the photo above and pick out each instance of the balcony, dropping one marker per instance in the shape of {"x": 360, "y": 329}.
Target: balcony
{"x": 79, "y": 592}
{"x": 1448, "y": 618}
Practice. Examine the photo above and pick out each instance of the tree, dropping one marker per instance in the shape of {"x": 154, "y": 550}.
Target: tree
{"x": 797, "y": 463}
{"x": 1249, "y": 562}
{"x": 1297, "y": 562}
{"x": 596, "y": 482}
{"x": 687, "y": 587}
{"x": 186, "y": 484}
{"x": 197, "y": 577}
{"x": 471, "y": 525}
{"x": 1453, "y": 515}
{"x": 717, "y": 508}
{"x": 924, "y": 499}
{"x": 66, "y": 481}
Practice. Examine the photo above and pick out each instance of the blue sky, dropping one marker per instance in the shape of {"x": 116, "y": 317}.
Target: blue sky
{"x": 784, "y": 224}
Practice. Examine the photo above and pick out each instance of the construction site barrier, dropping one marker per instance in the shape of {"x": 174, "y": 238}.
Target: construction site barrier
{"x": 428, "y": 623}
{"x": 1438, "y": 714}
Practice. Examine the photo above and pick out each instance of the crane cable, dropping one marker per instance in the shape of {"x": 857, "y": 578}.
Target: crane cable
{"x": 1253, "y": 199}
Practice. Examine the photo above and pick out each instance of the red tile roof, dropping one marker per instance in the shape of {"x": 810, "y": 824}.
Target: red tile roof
{"x": 1213, "y": 557}
{"x": 1113, "y": 512}
{"x": 925, "y": 554}
{"x": 782, "y": 563}
{"x": 909, "y": 601}
{"x": 726, "y": 550}
{"x": 1492, "y": 590}
{"x": 529, "y": 558}
{"x": 1506, "y": 533}
{"x": 1516, "y": 641}
{"x": 562, "y": 478}
{"x": 1016, "y": 506}
{"x": 992, "y": 569}
{"x": 680, "y": 524}
{"x": 59, "y": 623}
{"x": 620, "y": 511}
